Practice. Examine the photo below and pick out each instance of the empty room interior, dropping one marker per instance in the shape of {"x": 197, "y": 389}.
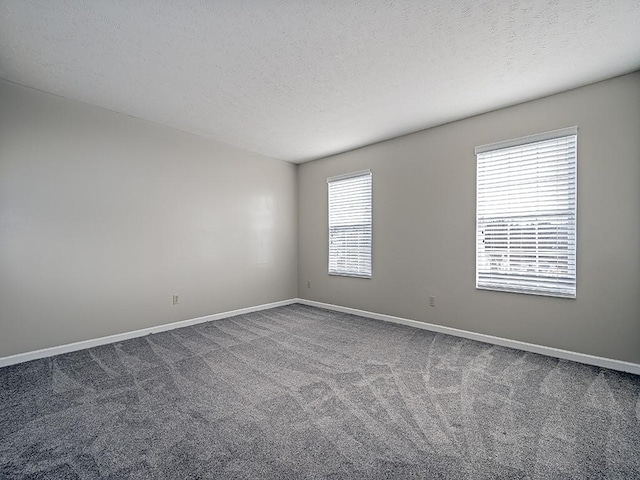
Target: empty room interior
{"x": 337, "y": 239}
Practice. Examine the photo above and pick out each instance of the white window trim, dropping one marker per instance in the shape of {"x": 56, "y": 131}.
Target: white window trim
{"x": 538, "y": 137}
{"x": 335, "y": 178}
{"x": 344, "y": 176}
{"x": 563, "y": 132}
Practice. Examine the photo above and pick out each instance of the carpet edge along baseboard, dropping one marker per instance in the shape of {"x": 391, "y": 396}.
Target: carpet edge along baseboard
{"x": 585, "y": 358}
{"x": 119, "y": 337}
{"x": 619, "y": 365}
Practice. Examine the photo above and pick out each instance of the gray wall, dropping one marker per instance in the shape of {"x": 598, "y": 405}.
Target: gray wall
{"x": 424, "y": 221}
{"x": 103, "y": 218}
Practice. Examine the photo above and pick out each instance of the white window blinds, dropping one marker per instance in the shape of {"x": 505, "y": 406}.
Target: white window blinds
{"x": 526, "y": 215}
{"x": 350, "y": 224}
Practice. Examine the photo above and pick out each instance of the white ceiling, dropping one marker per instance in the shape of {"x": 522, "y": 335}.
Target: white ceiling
{"x": 301, "y": 79}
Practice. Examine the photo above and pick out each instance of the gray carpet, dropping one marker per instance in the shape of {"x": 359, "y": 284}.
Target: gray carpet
{"x": 298, "y": 392}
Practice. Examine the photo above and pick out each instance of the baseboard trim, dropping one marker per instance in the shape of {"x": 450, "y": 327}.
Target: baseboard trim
{"x": 504, "y": 342}
{"x": 119, "y": 337}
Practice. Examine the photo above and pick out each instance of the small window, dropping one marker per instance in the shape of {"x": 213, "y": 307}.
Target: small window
{"x": 350, "y": 224}
{"x": 526, "y": 215}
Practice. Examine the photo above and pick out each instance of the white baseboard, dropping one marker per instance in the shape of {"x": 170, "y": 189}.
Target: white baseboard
{"x": 504, "y": 342}
{"x": 527, "y": 347}
{"x": 119, "y": 337}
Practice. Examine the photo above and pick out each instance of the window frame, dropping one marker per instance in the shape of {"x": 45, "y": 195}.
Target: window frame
{"x": 526, "y": 284}
{"x": 345, "y": 272}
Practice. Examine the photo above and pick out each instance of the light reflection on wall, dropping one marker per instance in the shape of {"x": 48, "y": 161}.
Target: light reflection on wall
{"x": 262, "y": 214}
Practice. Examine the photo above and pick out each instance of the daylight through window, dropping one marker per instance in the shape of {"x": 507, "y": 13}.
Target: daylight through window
{"x": 350, "y": 224}
{"x": 526, "y": 215}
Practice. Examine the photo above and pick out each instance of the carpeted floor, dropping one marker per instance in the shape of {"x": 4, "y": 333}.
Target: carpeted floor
{"x": 298, "y": 392}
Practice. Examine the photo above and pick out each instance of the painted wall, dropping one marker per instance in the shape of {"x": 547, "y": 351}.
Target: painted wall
{"x": 103, "y": 218}
{"x": 424, "y": 226}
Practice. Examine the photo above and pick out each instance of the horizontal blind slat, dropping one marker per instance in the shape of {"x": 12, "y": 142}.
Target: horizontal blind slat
{"x": 350, "y": 225}
{"x": 525, "y": 217}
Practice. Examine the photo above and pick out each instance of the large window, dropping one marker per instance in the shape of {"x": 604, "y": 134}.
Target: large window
{"x": 526, "y": 215}
{"x": 350, "y": 224}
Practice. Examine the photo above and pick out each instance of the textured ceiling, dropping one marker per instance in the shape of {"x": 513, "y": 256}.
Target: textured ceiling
{"x": 299, "y": 80}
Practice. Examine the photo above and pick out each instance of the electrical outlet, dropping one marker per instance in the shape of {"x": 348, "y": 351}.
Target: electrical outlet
{"x": 308, "y": 283}
{"x": 176, "y": 299}
{"x": 432, "y": 301}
